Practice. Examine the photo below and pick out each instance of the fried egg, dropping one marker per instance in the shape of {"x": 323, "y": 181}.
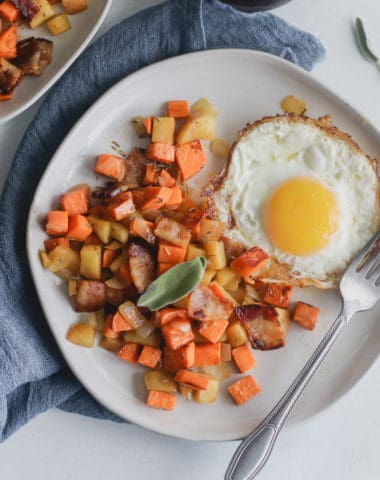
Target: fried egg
{"x": 304, "y": 192}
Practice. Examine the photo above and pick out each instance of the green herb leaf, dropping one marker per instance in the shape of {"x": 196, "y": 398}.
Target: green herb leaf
{"x": 174, "y": 284}
{"x": 362, "y": 41}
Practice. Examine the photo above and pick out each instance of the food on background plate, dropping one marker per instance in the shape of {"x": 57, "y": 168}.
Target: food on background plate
{"x": 185, "y": 290}
{"x": 30, "y": 56}
{"x": 301, "y": 190}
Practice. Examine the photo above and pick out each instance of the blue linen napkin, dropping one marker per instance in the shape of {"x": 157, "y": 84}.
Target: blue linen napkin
{"x": 33, "y": 374}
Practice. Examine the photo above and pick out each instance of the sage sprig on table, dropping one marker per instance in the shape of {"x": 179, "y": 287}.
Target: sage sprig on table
{"x": 173, "y": 285}
{"x": 363, "y": 44}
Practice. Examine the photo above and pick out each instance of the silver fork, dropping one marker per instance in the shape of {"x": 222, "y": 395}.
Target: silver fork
{"x": 360, "y": 290}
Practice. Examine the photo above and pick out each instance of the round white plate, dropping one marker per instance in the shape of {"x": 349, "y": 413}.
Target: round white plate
{"x": 244, "y": 85}
{"x": 67, "y": 48}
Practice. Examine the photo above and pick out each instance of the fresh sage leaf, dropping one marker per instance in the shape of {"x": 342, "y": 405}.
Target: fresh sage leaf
{"x": 173, "y": 285}
{"x": 362, "y": 41}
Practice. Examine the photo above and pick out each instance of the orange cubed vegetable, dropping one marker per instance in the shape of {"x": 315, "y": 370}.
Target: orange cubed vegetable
{"x": 108, "y": 257}
{"x": 244, "y": 389}
{"x": 110, "y": 166}
{"x": 150, "y": 175}
{"x": 108, "y": 332}
{"x": 160, "y": 152}
{"x": 173, "y": 232}
{"x": 206, "y": 306}
{"x": 170, "y": 253}
{"x": 121, "y": 206}
{"x": 51, "y": 243}
{"x": 156, "y": 197}
{"x": 129, "y": 352}
{"x": 207, "y": 354}
{"x": 192, "y": 220}
{"x": 177, "y": 333}
{"x": 149, "y": 356}
{"x": 175, "y": 199}
{"x": 190, "y": 158}
{"x": 243, "y": 358}
{"x": 57, "y": 222}
{"x": 76, "y": 202}
{"x": 124, "y": 273}
{"x": 79, "y": 228}
{"x": 164, "y": 179}
{"x": 249, "y": 262}
{"x": 148, "y": 124}
{"x": 119, "y": 323}
{"x": 8, "y": 43}
{"x": 161, "y": 400}
{"x": 178, "y": 109}
{"x": 194, "y": 380}
{"x": 163, "y": 267}
{"x": 278, "y": 295}
{"x": 225, "y": 353}
{"x": 168, "y": 314}
{"x": 183, "y": 357}
{"x": 212, "y": 330}
{"x": 305, "y": 315}
{"x": 9, "y": 11}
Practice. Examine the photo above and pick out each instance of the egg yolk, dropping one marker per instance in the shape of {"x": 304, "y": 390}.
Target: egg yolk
{"x": 301, "y": 216}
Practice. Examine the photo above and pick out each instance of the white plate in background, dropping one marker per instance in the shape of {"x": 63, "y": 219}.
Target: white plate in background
{"x": 245, "y": 86}
{"x": 67, "y": 48}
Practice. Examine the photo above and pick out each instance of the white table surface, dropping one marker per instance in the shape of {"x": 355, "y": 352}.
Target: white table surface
{"x": 341, "y": 443}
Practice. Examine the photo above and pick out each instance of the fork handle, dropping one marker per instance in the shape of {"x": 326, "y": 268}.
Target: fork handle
{"x": 254, "y": 451}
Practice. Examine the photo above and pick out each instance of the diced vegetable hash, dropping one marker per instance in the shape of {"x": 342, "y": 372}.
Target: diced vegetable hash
{"x": 112, "y": 244}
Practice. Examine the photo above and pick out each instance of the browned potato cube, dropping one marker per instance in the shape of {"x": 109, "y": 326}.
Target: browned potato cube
{"x": 81, "y": 334}
{"x": 163, "y": 130}
{"x": 91, "y": 261}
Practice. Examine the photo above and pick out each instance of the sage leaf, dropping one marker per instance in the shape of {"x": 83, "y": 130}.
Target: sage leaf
{"x": 173, "y": 285}
{"x": 362, "y": 41}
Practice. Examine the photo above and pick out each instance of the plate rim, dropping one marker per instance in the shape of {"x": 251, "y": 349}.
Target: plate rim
{"x": 83, "y": 118}
{"x": 62, "y": 69}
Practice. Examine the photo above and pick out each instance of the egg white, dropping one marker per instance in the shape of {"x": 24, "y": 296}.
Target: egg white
{"x": 277, "y": 151}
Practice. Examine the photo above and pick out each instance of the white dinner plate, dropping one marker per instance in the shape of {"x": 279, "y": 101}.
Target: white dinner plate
{"x": 244, "y": 85}
{"x": 66, "y": 49}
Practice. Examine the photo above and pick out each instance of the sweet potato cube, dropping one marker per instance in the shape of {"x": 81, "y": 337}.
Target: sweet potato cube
{"x": 305, "y": 315}
{"x": 160, "y": 152}
{"x": 207, "y": 354}
{"x": 149, "y": 356}
{"x": 194, "y": 380}
{"x": 244, "y": 389}
{"x": 178, "y": 109}
{"x": 249, "y": 262}
{"x": 278, "y": 295}
{"x": 163, "y": 130}
{"x": 212, "y": 330}
{"x": 119, "y": 323}
{"x": 190, "y": 158}
{"x": 166, "y": 315}
{"x": 243, "y": 358}
{"x": 129, "y": 352}
{"x": 57, "y": 222}
{"x": 164, "y": 179}
{"x": 51, "y": 243}
{"x": 121, "y": 206}
{"x": 110, "y": 166}
{"x": 183, "y": 357}
{"x": 170, "y": 253}
{"x": 76, "y": 201}
{"x": 177, "y": 333}
{"x": 161, "y": 400}
{"x": 79, "y": 228}
{"x": 163, "y": 267}
{"x": 108, "y": 332}
{"x": 173, "y": 232}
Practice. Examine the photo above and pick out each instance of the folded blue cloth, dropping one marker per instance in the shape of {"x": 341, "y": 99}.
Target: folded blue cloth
{"x": 33, "y": 374}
